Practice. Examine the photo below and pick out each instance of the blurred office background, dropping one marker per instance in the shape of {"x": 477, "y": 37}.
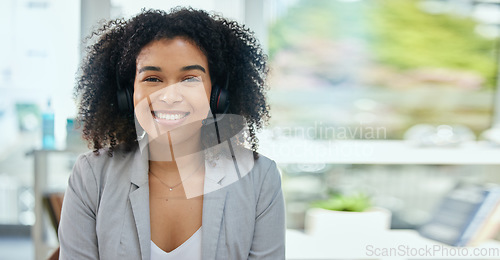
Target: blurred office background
{"x": 396, "y": 99}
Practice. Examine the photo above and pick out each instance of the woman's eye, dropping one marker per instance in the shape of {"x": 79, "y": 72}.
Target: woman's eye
{"x": 152, "y": 79}
{"x": 192, "y": 79}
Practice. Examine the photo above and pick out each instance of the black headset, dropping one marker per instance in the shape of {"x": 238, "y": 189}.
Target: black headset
{"x": 219, "y": 98}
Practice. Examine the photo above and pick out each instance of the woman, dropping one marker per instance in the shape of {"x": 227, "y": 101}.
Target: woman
{"x": 169, "y": 101}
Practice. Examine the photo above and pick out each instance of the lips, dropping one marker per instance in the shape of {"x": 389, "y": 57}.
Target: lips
{"x": 169, "y": 118}
{"x": 170, "y": 115}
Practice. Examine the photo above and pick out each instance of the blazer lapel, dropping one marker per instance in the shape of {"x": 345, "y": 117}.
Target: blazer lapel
{"x": 139, "y": 200}
{"x": 214, "y": 199}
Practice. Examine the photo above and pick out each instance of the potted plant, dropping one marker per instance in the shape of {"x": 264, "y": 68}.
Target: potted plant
{"x": 342, "y": 215}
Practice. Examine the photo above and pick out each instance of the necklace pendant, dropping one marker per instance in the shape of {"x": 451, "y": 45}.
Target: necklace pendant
{"x": 171, "y": 189}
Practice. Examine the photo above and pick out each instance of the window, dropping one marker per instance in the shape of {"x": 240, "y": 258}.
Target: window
{"x": 382, "y": 64}
{"x": 352, "y": 79}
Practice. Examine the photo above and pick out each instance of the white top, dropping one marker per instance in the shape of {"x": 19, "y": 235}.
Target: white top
{"x": 189, "y": 250}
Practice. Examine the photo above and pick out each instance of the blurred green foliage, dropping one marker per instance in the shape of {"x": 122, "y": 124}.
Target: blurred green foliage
{"x": 405, "y": 37}
{"x": 399, "y": 34}
{"x": 357, "y": 202}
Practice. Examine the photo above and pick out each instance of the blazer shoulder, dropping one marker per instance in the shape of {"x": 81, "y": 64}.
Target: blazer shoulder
{"x": 100, "y": 165}
{"x": 266, "y": 169}
{"x": 103, "y": 158}
{"x": 265, "y": 164}
{"x": 245, "y": 158}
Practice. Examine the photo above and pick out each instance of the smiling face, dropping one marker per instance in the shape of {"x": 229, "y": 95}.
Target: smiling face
{"x": 171, "y": 89}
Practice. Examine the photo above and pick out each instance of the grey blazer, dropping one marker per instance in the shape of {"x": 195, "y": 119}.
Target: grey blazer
{"x": 105, "y": 213}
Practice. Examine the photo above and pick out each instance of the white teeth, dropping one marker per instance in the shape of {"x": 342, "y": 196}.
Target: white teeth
{"x": 170, "y": 116}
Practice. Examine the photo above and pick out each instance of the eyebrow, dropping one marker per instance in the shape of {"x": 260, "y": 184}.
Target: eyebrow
{"x": 190, "y": 67}
{"x": 153, "y": 68}
{"x": 193, "y": 67}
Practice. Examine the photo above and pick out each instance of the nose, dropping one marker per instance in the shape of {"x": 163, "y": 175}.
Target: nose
{"x": 171, "y": 94}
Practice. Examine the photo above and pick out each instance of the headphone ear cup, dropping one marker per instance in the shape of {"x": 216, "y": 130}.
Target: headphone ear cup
{"x": 223, "y": 102}
{"x": 213, "y": 98}
{"x": 219, "y": 100}
{"x": 125, "y": 103}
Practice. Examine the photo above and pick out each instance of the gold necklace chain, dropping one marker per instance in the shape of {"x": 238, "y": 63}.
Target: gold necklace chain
{"x": 172, "y": 187}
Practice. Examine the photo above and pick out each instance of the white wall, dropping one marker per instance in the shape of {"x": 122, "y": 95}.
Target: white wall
{"x": 39, "y": 56}
{"x": 229, "y": 8}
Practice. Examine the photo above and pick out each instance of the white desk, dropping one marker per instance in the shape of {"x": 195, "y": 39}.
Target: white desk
{"x": 398, "y": 244}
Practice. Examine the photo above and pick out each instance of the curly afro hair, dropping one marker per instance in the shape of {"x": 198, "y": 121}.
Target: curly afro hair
{"x": 232, "y": 51}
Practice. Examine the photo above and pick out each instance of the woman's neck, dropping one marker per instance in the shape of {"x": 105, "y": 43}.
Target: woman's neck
{"x": 176, "y": 158}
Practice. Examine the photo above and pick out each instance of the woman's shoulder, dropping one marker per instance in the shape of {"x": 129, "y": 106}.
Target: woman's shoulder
{"x": 248, "y": 160}
{"x": 259, "y": 166}
{"x": 269, "y": 172}
{"x": 106, "y": 156}
{"x": 237, "y": 163}
{"x": 103, "y": 165}
{"x": 265, "y": 164}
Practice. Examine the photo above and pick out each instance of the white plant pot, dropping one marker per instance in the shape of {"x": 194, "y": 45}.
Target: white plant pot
{"x": 328, "y": 223}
